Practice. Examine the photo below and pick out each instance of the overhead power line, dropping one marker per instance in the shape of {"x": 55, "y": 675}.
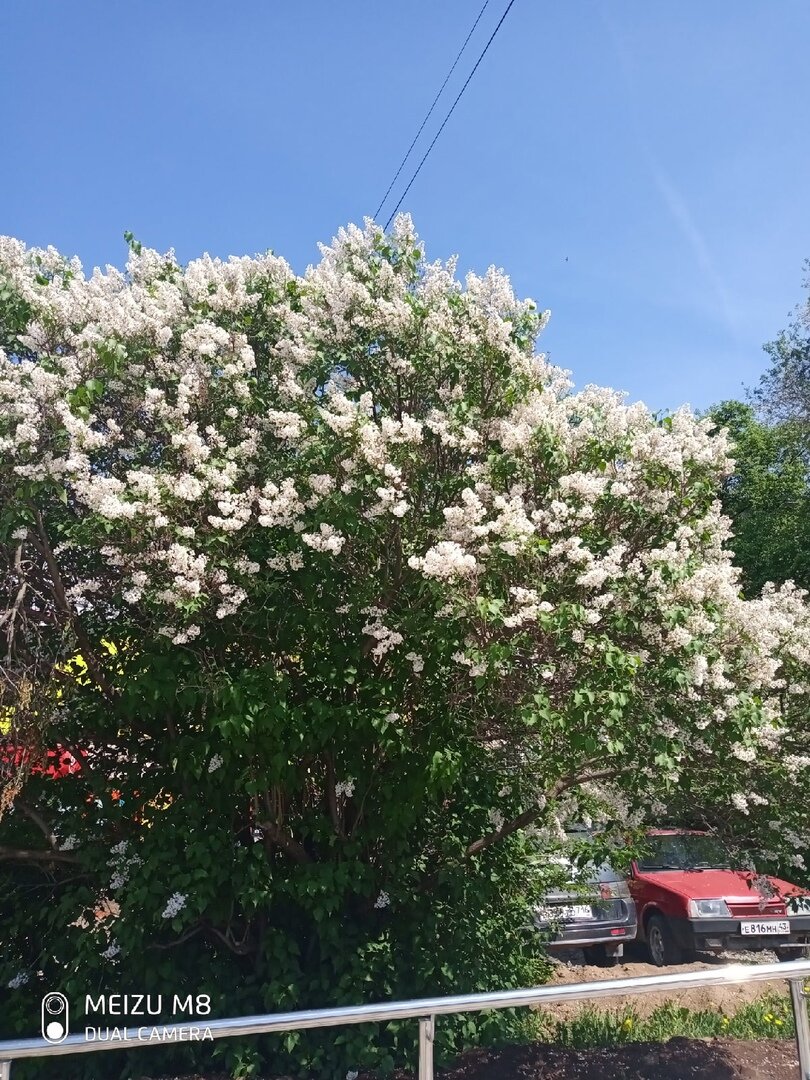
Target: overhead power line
{"x": 450, "y": 112}
{"x": 430, "y": 110}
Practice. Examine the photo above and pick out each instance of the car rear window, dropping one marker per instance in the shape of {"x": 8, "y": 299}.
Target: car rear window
{"x": 684, "y": 851}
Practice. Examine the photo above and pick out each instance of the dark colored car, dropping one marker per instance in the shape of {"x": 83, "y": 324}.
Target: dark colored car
{"x": 595, "y": 913}
{"x": 690, "y": 896}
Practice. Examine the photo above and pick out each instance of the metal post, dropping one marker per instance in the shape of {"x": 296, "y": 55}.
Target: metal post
{"x": 5, "y": 1070}
{"x": 802, "y": 1022}
{"x": 426, "y": 1031}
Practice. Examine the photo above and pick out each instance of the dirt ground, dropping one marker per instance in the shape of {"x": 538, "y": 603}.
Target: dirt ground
{"x": 571, "y": 968}
{"x": 678, "y": 1059}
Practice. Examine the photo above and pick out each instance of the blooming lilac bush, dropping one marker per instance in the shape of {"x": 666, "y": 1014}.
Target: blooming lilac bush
{"x": 365, "y": 597}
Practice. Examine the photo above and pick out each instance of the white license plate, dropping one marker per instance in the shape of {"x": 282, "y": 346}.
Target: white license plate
{"x": 565, "y": 912}
{"x": 771, "y": 926}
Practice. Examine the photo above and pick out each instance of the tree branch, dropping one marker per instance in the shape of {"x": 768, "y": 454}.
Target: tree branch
{"x": 297, "y": 852}
{"x": 178, "y": 941}
{"x": 331, "y": 797}
{"x": 241, "y": 948}
{"x": 39, "y": 821}
{"x": 520, "y": 822}
{"x": 43, "y": 545}
{"x": 10, "y": 615}
{"x": 533, "y": 812}
{"x": 22, "y": 855}
{"x": 574, "y": 780}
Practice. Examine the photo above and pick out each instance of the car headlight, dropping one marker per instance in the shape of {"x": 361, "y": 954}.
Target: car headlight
{"x": 709, "y": 909}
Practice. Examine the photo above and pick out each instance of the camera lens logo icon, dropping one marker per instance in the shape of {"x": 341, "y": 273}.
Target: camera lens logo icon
{"x": 55, "y": 1013}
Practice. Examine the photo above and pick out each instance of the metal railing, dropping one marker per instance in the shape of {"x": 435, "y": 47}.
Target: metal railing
{"x": 796, "y": 973}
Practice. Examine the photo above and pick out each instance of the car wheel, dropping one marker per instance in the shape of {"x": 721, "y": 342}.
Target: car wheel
{"x": 661, "y": 944}
{"x": 599, "y": 956}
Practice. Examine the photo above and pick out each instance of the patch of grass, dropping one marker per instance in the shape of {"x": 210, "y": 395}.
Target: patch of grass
{"x": 769, "y": 1018}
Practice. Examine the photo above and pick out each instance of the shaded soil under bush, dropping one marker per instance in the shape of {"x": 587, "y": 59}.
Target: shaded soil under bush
{"x": 677, "y": 1059}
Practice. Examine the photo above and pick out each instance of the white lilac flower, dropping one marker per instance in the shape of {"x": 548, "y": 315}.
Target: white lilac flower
{"x": 177, "y": 901}
{"x": 215, "y": 763}
{"x": 19, "y": 980}
{"x": 112, "y": 950}
{"x": 382, "y": 901}
{"x": 446, "y": 560}
{"x": 182, "y": 477}
{"x": 386, "y": 638}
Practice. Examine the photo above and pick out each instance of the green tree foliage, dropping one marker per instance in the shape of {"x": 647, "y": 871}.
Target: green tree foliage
{"x": 783, "y": 393}
{"x": 767, "y": 496}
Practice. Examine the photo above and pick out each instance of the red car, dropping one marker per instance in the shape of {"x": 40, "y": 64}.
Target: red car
{"x": 689, "y": 897}
{"x": 53, "y": 763}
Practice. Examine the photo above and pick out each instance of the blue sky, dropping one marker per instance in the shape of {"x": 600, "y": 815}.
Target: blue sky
{"x": 640, "y": 168}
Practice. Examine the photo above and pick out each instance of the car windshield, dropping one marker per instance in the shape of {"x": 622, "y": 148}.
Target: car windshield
{"x": 684, "y": 851}
{"x": 578, "y": 836}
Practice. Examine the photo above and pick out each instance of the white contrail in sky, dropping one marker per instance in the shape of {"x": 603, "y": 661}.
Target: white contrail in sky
{"x": 694, "y": 236}
{"x": 672, "y": 198}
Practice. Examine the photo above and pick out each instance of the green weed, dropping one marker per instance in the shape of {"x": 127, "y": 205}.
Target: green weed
{"x": 770, "y": 1017}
